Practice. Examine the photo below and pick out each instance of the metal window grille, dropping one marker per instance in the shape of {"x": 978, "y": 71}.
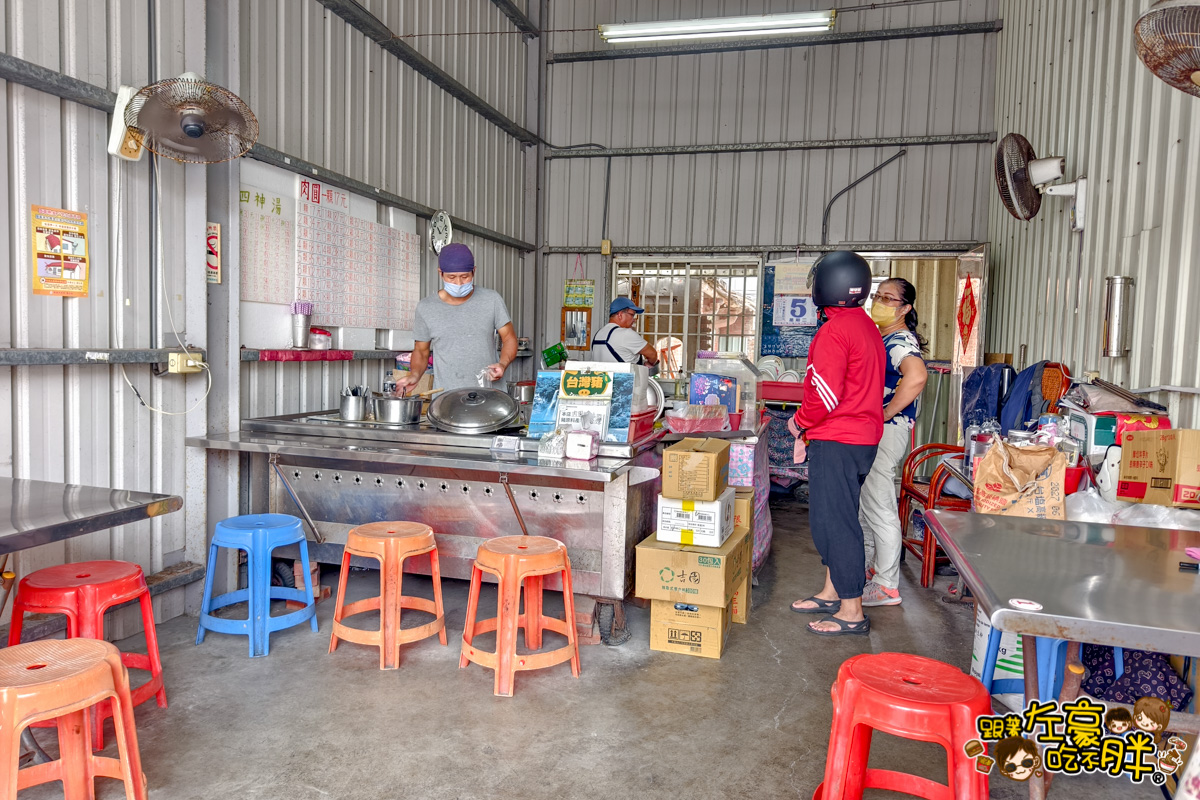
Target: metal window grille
{"x": 693, "y": 305}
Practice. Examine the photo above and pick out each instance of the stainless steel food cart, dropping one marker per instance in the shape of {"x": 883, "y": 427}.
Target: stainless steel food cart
{"x": 338, "y": 474}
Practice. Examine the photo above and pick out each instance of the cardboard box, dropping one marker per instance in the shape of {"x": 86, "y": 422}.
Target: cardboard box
{"x": 739, "y": 606}
{"x": 743, "y": 510}
{"x": 694, "y": 522}
{"x": 695, "y": 469}
{"x": 1160, "y": 467}
{"x": 689, "y": 629}
{"x": 703, "y": 576}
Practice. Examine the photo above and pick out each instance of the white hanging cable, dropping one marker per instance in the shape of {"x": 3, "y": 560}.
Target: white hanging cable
{"x": 162, "y": 281}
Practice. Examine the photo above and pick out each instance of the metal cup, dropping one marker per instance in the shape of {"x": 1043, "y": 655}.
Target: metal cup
{"x": 300, "y": 326}
{"x": 353, "y": 408}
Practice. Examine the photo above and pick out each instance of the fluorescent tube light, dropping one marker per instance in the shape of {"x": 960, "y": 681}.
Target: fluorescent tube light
{"x": 760, "y": 25}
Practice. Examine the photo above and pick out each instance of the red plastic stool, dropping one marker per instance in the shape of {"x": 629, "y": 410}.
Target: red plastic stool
{"x": 911, "y": 697}
{"x": 517, "y": 560}
{"x": 83, "y": 592}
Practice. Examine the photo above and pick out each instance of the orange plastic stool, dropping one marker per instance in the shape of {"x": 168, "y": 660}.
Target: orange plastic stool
{"x": 62, "y": 679}
{"x": 83, "y": 592}
{"x": 517, "y": 560}
{"x": 389, "y": 543}
{"x": 911, "y": 697}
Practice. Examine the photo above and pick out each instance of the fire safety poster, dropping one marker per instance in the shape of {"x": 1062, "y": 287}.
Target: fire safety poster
{"x": 60, "y": 256}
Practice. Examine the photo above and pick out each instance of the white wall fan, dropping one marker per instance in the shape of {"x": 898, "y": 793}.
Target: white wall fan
{"x": 186, "y": 119}
{"x": 1023, "y": 178}
{"x": 1168, "y": 43}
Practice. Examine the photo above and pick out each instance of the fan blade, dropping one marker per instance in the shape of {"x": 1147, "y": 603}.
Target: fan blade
{"x": 192, "y": 121}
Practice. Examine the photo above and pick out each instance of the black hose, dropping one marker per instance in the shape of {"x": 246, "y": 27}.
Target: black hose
{"x": 829, "y": 205}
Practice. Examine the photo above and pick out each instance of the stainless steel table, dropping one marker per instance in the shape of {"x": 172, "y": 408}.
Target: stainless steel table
{"x": 1079, "y": 581}
{"x": 34, "y": 513}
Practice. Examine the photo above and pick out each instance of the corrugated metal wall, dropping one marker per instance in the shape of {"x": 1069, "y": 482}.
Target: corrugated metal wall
{"x": 908, "y": 87}
{"x": 326, "y": 93}
{"x": 82, "y": 424}
{"x": 1069, "y": 80}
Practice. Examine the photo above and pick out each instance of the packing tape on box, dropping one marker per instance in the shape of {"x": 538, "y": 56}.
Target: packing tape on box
{"x": 689, "y": 506}
{"x": 685, "y": 537}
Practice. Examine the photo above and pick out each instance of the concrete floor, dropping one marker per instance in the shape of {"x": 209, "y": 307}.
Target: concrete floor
{"x": 304, "y": 724}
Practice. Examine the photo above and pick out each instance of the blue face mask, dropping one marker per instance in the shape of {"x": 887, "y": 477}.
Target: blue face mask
{"x": 459, "y": 290}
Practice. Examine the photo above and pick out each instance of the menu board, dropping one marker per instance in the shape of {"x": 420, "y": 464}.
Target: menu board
{"x": 357, "y": 272}
{"x": 267, "y": 245}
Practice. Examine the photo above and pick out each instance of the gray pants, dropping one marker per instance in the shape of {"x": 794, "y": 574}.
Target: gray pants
{"x": 877, "y": 510}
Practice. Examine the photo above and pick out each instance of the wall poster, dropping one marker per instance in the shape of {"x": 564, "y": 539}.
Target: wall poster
{"x": 60, "y": 256}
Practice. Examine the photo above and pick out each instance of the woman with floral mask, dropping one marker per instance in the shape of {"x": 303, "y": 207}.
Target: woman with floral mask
{"x": 461, "y": 321}
{"x": 892, "y": 312}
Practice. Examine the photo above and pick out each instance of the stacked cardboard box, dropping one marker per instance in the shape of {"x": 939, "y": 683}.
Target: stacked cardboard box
{"x": 695, "y": 569}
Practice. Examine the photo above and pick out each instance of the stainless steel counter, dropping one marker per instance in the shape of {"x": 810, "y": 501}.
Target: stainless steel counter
{"x": 341, "y": 474}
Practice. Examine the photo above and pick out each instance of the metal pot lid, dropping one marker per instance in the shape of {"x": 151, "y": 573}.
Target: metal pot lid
{"x": 473, "y": 411}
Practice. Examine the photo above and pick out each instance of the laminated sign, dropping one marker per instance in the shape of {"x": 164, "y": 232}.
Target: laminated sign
{"x": 1022, "y": 482}
{"x": 579, "y": 293}
{"x": 60, "y": 255}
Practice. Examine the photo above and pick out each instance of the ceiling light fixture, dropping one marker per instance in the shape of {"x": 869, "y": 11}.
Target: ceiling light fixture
{"x": 759, "y": 25}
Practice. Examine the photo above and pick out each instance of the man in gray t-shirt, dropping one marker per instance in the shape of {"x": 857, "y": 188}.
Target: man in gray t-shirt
{"x": 460, "y": 322}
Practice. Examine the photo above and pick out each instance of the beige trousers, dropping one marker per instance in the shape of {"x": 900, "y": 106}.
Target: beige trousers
{"x": 878, "y": 507}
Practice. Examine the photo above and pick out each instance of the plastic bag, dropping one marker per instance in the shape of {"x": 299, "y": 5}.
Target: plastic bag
{"x": 483, "y": 379}
{"x": 1151, "y": 516}
{"x": 1089, "y": 506}
{"x": 553, "y": 445}
{"x": 697, "y": 418}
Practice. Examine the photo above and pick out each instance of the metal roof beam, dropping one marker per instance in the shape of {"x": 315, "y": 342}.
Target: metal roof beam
{"x": 751, "y": 249}
{"x": 765, "y": 147}
{"x": 809, "y": 40}
{"x": 518, "y": 19}
{"x": 373, "y": 28}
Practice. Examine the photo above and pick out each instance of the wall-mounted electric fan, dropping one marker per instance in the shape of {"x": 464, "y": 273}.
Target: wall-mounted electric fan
{"x": 1168, "y": 43}
{"x": 1023, "y": 178}
{"x": 186, "y": 119}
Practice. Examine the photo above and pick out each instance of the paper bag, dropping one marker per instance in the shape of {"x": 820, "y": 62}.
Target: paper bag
{"x": 1022, "y": 482}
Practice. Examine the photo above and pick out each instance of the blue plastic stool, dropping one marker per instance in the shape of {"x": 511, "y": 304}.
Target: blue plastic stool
{"x": 1052, "y": 656}
{"x": 258, "y": 535}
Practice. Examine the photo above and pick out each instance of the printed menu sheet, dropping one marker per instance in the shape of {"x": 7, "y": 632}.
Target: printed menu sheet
{"x": 357, "y": 272}
{"x": 268, "y": 259}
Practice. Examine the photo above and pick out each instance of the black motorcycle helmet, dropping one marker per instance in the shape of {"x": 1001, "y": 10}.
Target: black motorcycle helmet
{"x": 841, "y": 278}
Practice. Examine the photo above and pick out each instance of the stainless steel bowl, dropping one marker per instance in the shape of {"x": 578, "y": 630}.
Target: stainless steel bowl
{"x": 398, "y": 410}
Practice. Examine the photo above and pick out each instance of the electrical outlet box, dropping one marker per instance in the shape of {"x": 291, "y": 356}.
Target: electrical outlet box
{"x": 606, "y": 247}
{"x": 182, "y": 362}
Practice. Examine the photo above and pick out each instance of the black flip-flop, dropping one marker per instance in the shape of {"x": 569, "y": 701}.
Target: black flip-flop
{"x": 860, "y": 628}
{"x": 822, "y": 607}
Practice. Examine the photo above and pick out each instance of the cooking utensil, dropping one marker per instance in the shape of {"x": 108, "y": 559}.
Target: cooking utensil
{"x": 353, "y": 409}
{"x": 522, "y": 391}
{"x": 398, "y": 410}
{"x": 474, "y": 411}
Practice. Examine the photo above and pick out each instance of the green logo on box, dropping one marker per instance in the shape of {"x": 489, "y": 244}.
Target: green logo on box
{"x": 708, "y": 561}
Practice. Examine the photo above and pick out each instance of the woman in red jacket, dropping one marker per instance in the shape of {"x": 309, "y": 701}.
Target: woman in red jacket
{"x": 838, "y": 427}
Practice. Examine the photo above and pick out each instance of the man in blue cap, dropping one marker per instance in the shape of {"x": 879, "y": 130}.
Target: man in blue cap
{"x": 617, "y": 342}
{"x": 460, "y": 322}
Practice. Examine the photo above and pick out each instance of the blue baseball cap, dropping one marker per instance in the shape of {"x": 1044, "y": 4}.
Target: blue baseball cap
{"x": 456, "y": 258}
{"x": 622, "y": 303}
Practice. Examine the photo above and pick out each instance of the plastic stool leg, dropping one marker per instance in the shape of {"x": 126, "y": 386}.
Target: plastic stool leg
{"x": 341, "y": 598}
{"x": 569, "y": 609}
{"x": 435, "y": 571}
{"x": 533, "y": 612}
{"x": 860, "y": 754}
{"x": 390, "y": 590}
{"x": 472, "y": 610}
{"x": 308, "y": 586}
{"x": 75, "y": 752}
{"x": 152, "y": 645}
{"x": 14, "y": 634}
{"x": 508, "y": 606}
{"x": 837, "y": 759}
{"x": 1119, "y": 661}
{"x": 206, "y": 598}
{"x": 259, "y": 576}
{"x": 126, "y": 732}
